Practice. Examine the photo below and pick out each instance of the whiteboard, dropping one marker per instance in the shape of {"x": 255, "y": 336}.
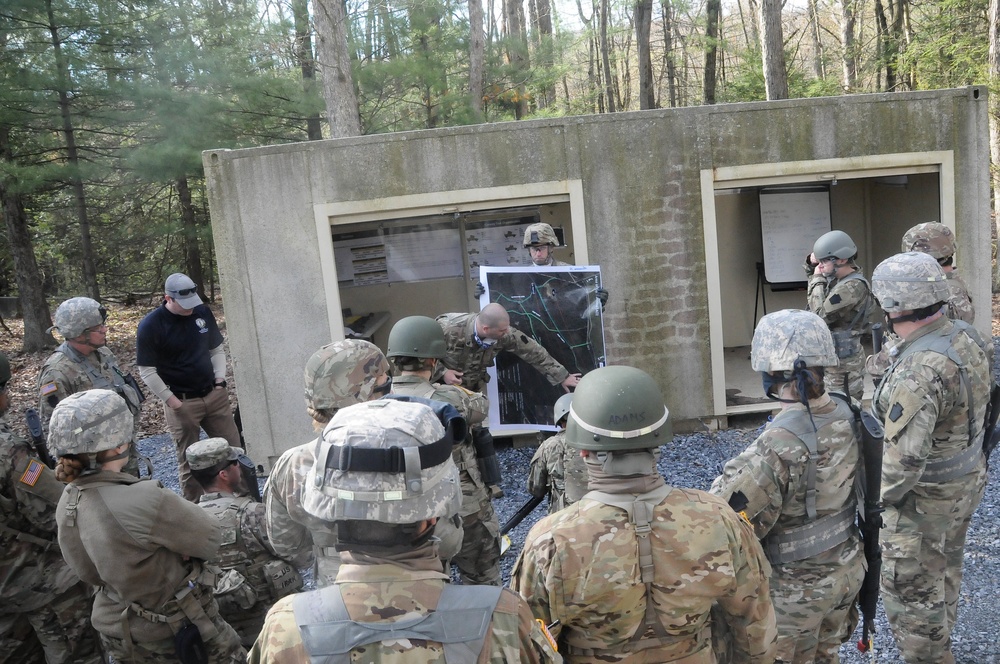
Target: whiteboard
{"x": 790, "y": 223}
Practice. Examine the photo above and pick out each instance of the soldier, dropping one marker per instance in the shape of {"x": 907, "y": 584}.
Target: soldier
{"x": 254, "y": 576}
{"x": 632, "y": 571}
{"x": 839, "y": 294}
{"x": 556, "y": 468}
{"x": 82, "y": 361}
{"x": 796, "y": 485}
{"x": 416, "y": 345}
{"x": 474, "y": 341}
{"x": 37, "y": 584}
{"x": 337, "y": 375}
{"x": 932, "y": 401}
{"x": 388, "y": 480}
{"x": 540, "y": 240}
{"x": 142, "y": 545}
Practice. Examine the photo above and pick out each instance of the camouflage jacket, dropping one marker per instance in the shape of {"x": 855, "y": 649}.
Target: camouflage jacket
{"x": 474, "y": 408}
{"x": 580, "y": 566}
{"x": 960, "y": 305}
{"x": 67, "y": 371}
{"x": 839, "y": 301}
{"x": 464, "y": 354}
{"x": 386, "y": 593}
{"x": 557, "y": 469}
{"x": 925, "y": 410}
{"x": 32, "y": 570}
{"x": 771, "y": 473}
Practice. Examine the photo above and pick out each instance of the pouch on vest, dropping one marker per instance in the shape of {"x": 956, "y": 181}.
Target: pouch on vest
{"x": 234, "y": 593}
{"x": 846, "y": 344}
{"x": 190, "y": 646}
{"x": 282, "y": 578}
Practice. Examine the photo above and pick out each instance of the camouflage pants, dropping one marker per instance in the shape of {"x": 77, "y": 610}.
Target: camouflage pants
{"x": 211, "y": 413}
{"x": 479, "y": 560}
{"x": 223, "y": 649}
{"x": 853, "y": 368}
{"x": 815, "y": 614}
{"x": 922, "y": 549}
{"x": 62, "y": 627}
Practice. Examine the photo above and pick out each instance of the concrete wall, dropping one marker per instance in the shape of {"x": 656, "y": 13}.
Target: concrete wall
{"x": 641, "y": 176}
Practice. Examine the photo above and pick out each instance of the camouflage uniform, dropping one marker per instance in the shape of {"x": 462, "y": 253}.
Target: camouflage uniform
{"x": 478, "y": 560}
{"x": 464, "y": 354}
{"x": 841, "y": 302}
{"x": 813, "y": 597}
{"x": 35, "y": 581}
{"x": 558, "y": 470}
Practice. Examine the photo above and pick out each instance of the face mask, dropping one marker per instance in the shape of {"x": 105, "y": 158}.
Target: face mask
{"x": 483, "y": 343}
{"x": 771, "y": 384}
{"x": 383, "y": 389}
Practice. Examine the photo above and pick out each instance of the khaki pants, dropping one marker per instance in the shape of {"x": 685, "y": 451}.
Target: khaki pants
{"x": 211, "y": 413}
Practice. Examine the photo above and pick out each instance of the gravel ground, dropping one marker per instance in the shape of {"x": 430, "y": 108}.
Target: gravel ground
{"x": 694, "y": 460}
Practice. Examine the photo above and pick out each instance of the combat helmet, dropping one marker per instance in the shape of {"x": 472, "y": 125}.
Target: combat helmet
{"x": 539, "y": 235}
{"x": 78, "y": 314}
{"x": 910, "y": 281}
{"x": 786, "y": 337}
{"x": 561, "y": 407}
{"x": 931, "y": 238}
{"x": 417, "y": 336}
{"x": 89, "y": 422}
{"x": 341, "y": 374}
{"x": 835, "y": 244}
{"x": 388, "y": 461}
{"x": 4, "y": 370}
{"x": 617, "y": 408}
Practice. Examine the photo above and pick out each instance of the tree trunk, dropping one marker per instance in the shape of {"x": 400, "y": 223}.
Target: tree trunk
{"x": 848, "y": 18}
{"x": 993, "y": 75}
{"x": 307, "y": 64}
{"x": 881, "y": 40}
{"x": 773, "y": 50}
{"x": 517, "y": 53}
{"x": 334, "y": 56}
{"x": 819, "y": 69}
{"x": 73, "y": 158}
{"x": 477, "y": 57}
{"x": 713, "y": 8}
{"x": 893, "y": 40}
{"x": 189, "y": 221}
{"x": 609, "y": 89}
{"x": 643, "y": 23}
{"x": 668, "y": 52}
{"x": 546, "y": 52}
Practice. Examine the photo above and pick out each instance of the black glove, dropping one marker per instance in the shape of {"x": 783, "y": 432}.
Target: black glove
{"x": 480, "y": 289}
{"x": 809, "y": 266}
{"x": 602, "y": 295}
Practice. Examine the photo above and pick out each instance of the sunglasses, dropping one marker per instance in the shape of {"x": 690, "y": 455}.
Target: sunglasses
{"x": 184, "y": 292}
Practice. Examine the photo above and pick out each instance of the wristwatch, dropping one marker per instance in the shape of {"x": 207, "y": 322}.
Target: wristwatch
{"x": 221, "y": 383}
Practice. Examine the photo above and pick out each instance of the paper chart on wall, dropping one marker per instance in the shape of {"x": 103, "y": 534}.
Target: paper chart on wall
{"x": 790, "y": 222}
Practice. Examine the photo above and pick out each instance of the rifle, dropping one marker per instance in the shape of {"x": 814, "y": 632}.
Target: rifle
{"x": 870, "y": 521}
{"x": 249, "y": 472}
{"x": 34, "y": 423}
{"x": 991, "y": 435}
{"x": 878, "y": 339}
{"x": 521, "y": 513}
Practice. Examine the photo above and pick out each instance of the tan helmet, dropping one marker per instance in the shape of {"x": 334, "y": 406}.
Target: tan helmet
{"x": 910, "y": 281}
{"x": 342, "y": 373}
{"x": 386, "y": 460}
{"x": 539, "y": 235}
{"x": 89, "y": 422}
{"x": 931, "y": 238}
{"x": 784, "y": 337}
{"x": 77, "y": 314}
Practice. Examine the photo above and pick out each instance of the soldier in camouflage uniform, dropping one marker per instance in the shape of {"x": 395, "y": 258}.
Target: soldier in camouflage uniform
{"x": 142, "y": 545}
{"x": 932, "y": 400}
{"x": 416, "y": 345}
{"x": 337, "y": 375}
{"x": 389, "y": 480}
{"x": 632, "y": 572}
{"x": 557, "y": 470}
{"x": 35, "y": 582}
{"x": 474, "y": 341}
{"x": 82, "y": 361}
{"x": 254, "y": 576}
{"x": 807, "y": 526}
{"x": 540, "y": 240}
{"x": 839, "y": 294}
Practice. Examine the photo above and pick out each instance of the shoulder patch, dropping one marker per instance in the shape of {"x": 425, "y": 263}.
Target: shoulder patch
{"x": 47, "y": 388}
{"x": 32, "y": 473}
{"x": 835, "y": 298}
{"x": 896, "y": 412}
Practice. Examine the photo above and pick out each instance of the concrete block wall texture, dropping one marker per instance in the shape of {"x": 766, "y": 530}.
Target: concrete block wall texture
{"x": 641, "y": 181}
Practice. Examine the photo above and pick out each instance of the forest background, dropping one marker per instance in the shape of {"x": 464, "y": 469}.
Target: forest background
{"x": 106, "y": 105}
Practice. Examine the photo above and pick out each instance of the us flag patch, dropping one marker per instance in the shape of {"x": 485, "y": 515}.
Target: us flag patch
{"x": 32, "y": 473}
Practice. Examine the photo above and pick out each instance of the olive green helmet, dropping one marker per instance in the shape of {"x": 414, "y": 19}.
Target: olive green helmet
{"x": 539, "y": 235}
{"x": 784, "y": 337}
{"x": 77, "y": 314}
{"x": 617, "y": 408}
{"x": 835, "y": 244}
{"x": 417, "y": 336}
{"x": 910, "y": 281}
{"x": 89, "y": 422}
{"x": 4, "y": 370}
{"x": 561, "y": 407}
{"x": 343, "y": 373}
{"x": 931, "y": 238}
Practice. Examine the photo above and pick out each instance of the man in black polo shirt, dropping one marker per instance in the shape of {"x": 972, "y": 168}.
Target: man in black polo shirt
{"x": 181, "y": 359}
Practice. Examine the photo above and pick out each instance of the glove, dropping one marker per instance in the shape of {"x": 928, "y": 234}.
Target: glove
{"x": 602, "y": 295}
{"x": 480, "y": 289}
{"x": 809, "y": 267}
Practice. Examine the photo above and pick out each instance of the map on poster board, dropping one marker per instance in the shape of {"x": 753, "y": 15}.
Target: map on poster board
{"x": 558, "y": 307}
{"x": 790, "y": 222}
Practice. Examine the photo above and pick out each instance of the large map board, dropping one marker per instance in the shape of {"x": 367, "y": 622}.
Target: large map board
{"x": 790, "y": 222}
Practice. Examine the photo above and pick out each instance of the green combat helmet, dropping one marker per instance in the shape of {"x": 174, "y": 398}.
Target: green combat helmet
{"x": 341, "y": 374}
{"x": 387, "y": 461}
{"x": 931, "y": 238}
{"x": 539, "y": 235}
{"x": 4, "y": 370}
{"x": 910, "y": 281}
{"x": 835, "y": 244}
{"x": 78, "y": 314}
{"x": 417, "y": 336}
{"x": 561, "y": 407}
{"x": 89, "y": 422}
{"x": 617, "y": 408}
{"x": 785, "y": 337}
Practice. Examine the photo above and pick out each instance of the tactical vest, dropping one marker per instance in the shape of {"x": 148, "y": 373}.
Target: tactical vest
{"x": 819, "y": 534}
{"x": 460, "y": 623}
{"x": 847, "y": 342}
{"x": 964, "y": 462}
{"x": 98, "y": 380}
